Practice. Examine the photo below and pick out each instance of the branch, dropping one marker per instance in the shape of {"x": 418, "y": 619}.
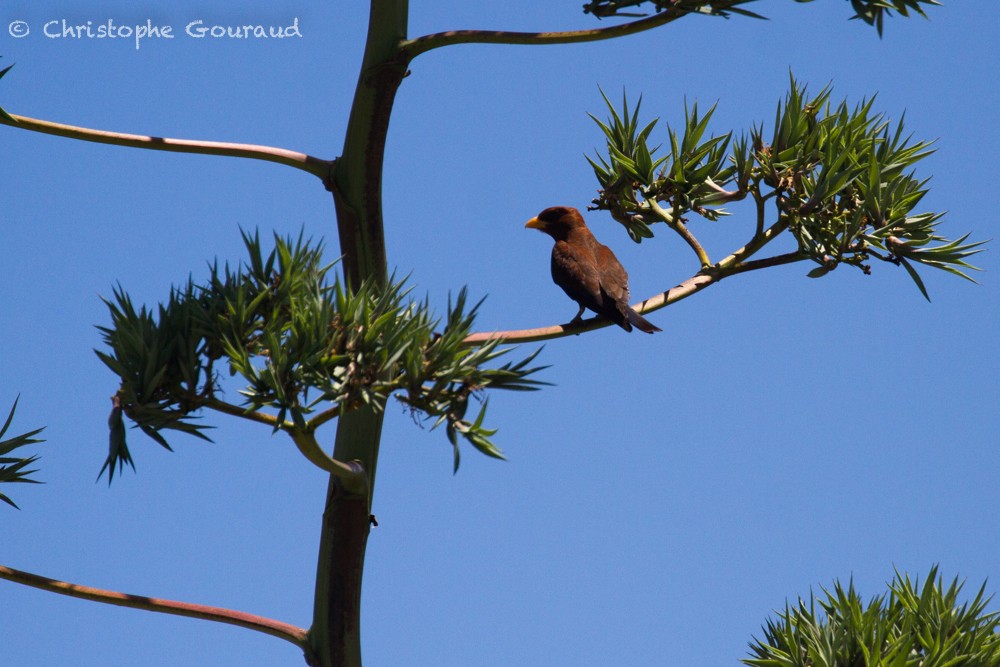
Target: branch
{"x": 731, "y": 265}
{"x": 777, "y": 260}
{"x": 758, "y": 241}
{"x": 759, "y": 202}
{"x": 324, "y": 417}
{"x": 313, "y": 165}
{"x": 236, "y": 411}
{"x": 414, "y": 47}
{"x": 678, "y": 226}
{"x": 351, "y": 474}
{"x": 695, "y": 283}
{"x": 286, "y": 631}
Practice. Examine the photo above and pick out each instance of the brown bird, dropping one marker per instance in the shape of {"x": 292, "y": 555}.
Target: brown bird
{"x": 586, "y": 270}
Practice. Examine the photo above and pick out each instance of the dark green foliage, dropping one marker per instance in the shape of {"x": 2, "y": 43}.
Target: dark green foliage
{"x": 308, "y": 348}
{"x": 117, "y": 446}
{"x": 602, "y": 8}
{"x": 12, "y": 468}
{"x": 872, "y": 12}
{"x": 839, "y": 179}
{"x": 3, "y": 114}
{"x": 911, "y": 626}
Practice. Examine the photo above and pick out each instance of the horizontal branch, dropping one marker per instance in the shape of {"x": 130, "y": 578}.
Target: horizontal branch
{"x": 695, "y": 283}
{"x": 324, "y": 417}
{"x": 313, "y": 165}
{"x": 730, "y": 266}
{"x": 766, "y": 262}
{"x": 251, "y": 415}
{"x": 759, "y": 240}
{"x": 286, "y": 631}
{"x": 414, "y": 47}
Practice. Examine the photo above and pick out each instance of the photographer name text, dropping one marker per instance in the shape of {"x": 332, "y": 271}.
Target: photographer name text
{"x": 109, "y": 29}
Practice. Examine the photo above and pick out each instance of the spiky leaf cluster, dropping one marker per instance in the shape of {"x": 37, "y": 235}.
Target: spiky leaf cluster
{"x": 911, "y": 626}
{"x": 839, "y": 178}
{"x": 14, "y": 469}
{"x": 3, "y": 114}
{"x": 872, "y": 12}
{"x": 308, "y": 347}
{"x": 634, "y": 183}
{"x": 723, "y": 8}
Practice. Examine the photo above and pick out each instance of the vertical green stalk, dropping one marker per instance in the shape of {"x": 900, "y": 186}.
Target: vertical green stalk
{"x": 357, "y": 178}
{"x": 356, "y": 183}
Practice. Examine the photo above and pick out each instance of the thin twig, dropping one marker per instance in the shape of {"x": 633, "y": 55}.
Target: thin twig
{"x": 759, "y": 203}
{"x": 675, "y": 223}
{"x": 286, "y": 631}
{"x": 313, "y": 165}
{"x": 236, "y": 411}
{"x": 352, "y": 474}
{"x": 758, "y": 241}
{"x": 414, "y": 47}
{"x": 324, "y": 417}
{"x": 766, "y": 262}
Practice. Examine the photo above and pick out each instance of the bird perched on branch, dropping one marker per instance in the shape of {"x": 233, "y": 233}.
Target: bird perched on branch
{"x": 586, "y": 270}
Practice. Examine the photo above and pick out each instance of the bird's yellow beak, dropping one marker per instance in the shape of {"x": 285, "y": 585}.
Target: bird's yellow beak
{"x": 534, "y": 223}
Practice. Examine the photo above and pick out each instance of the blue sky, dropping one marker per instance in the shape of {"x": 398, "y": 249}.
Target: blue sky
{"x": 659, "y": 501}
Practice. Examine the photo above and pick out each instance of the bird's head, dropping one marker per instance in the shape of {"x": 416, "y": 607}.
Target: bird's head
{"x": 557, "y": 221}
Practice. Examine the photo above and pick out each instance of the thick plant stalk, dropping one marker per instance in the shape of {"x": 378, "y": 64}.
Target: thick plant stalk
{"x": 335, "y": 637}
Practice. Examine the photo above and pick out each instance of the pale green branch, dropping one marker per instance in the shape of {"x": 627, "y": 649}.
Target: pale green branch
{"x": 759, "y": 202}
{"x": 731, "y": 265}
{"x": 259, "y": 417}
{"x": 695, "y": 283}
{"x": 352, "y": 474}
{"x": 313, "y": 165}
{"x": 324, "y": 417}
{"x": 675, "y": 223}
{"x": 754, "y": 245}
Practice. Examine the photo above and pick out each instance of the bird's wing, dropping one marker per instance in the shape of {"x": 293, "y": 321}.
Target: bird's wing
{"x": 614, "y": 278}
{"x": 575, "y": 270}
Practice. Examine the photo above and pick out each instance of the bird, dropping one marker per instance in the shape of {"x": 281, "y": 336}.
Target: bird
{"x": 586, "y": 270}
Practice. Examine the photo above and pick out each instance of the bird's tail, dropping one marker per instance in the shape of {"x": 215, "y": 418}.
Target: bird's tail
{"x": 640, "y": 322}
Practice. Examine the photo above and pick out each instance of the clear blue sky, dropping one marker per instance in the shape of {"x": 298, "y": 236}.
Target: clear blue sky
{"x": 659, "y": 501}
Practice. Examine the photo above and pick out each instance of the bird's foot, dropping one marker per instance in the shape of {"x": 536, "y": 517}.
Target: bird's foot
{"x": 576, "y": 320}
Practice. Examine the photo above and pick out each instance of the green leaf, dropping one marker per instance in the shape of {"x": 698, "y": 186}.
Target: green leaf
{"x": 916, "y": 277}
{"x": 818, "y": 272}
{"x": 118, "y": 453}
{"x": 13, "y": 469}
{"x": 3, "y": 114}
